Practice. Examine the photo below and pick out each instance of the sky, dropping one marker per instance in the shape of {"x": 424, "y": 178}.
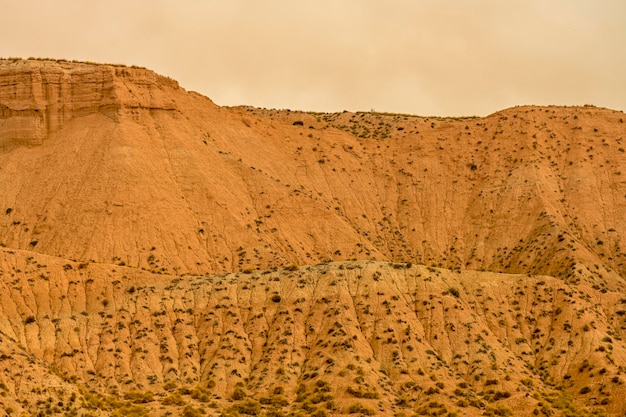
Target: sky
{"x": 426, "y": 57}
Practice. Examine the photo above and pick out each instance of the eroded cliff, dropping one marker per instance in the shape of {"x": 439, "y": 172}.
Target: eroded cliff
{"x": 38, "y": 97}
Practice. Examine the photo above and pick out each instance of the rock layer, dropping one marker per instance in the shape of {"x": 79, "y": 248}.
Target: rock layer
{"x": 37, "y": 98}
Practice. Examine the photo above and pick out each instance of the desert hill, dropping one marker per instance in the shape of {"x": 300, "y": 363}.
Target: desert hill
{"x": 162, "y": 254}
{"x": 121, "y": 165}
{"x": 374, "y": 337}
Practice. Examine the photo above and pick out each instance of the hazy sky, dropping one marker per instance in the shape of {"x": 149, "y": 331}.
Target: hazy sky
{"x": 439, "y": 57}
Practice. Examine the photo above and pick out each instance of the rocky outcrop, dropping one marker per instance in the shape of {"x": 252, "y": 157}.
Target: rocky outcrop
{"x": 38, "y": 97}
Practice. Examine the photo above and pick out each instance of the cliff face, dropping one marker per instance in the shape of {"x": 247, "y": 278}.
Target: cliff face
{"x": 37, "y": 98}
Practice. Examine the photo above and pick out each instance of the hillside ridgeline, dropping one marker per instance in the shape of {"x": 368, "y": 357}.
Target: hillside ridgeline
{"x": 162, "y": 253}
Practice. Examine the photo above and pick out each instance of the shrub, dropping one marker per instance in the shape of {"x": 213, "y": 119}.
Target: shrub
{"x": 499, "y": 395}
{"x": 359, "y": 393}
{"x": 239, "y": 394}
{"x": 322, "y": 386}
{"x": 173, "y": 399}
{"x": 279, "y": 400}
{"x": 275, "y": 413}
{"x": 500, "y": 411}
{"x": 170, "y": 386}
{"x": 131, "y": 411}
{"x": 462, "y": 403}
{"x": 190, "y": 411}
{"x": 357, "y": 408}
{"x": 139, "y": 397}
{"x": 201, "y": 394}
{"x": 249, "y": 406}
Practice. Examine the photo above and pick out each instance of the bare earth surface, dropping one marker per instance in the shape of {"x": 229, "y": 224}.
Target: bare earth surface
{"x": 162, "y": 255}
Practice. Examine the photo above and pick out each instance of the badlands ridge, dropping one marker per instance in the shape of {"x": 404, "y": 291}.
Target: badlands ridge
{"x": 161, "y": 255}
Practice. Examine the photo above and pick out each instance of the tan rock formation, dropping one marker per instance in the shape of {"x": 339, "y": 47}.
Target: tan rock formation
{"x": 161, "y": 252}
{"x": 37, "y": 98}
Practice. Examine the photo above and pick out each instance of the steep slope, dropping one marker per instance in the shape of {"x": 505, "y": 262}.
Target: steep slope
{"x": 127, "y": 161}
{"x": 163, "y": 255}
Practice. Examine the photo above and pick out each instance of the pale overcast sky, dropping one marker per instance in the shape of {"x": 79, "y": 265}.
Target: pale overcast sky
{"x": 435, "y": 57}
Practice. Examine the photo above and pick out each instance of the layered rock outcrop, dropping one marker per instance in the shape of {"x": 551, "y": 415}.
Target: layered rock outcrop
{"x": 38, "y": 97}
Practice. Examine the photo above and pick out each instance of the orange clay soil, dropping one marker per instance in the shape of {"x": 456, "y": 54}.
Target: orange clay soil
{"x": 162, "y": 255}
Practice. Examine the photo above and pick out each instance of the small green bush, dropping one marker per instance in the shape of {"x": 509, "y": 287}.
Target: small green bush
{"x": 173, "y": 399}
{"x": 357, "y": 408}
{"x": 131, "y": 411}
{"x": 190, "y": 411}
{"x": 499, "y": 411}
{"x": 359, "y": 393}
{"x": 249, "y": 406}
{"x": 239, "y": 394}
{"x": 139, "y": 397}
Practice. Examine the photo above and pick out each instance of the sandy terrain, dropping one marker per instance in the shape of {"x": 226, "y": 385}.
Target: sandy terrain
{"x": 161, "y": 254}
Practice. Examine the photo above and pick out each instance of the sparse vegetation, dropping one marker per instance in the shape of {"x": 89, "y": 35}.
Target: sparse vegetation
{"x": 351, "y": 263}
